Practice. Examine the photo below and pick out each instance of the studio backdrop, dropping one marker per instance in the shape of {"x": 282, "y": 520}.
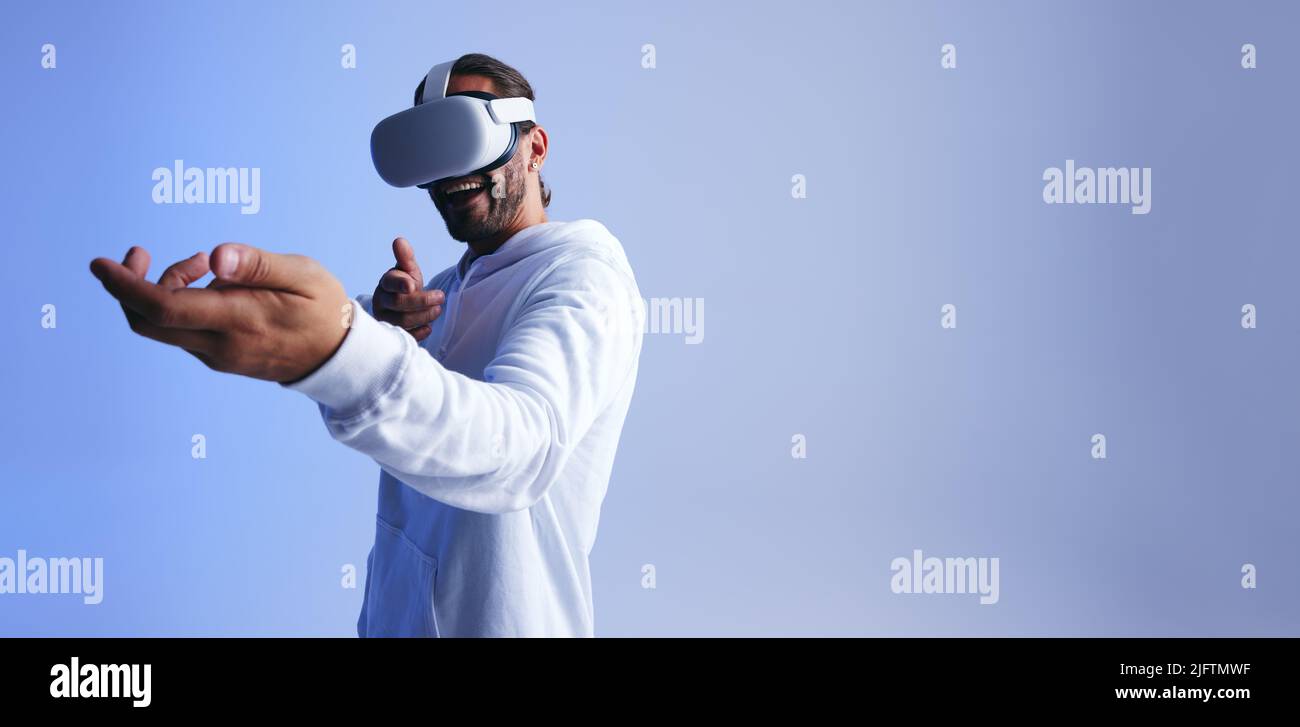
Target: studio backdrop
{"x": 962, "y": 318}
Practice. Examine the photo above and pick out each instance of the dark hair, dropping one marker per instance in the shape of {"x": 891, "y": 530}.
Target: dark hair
{"x": 507, "y": 81}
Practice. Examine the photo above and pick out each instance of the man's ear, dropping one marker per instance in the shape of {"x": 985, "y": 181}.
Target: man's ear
{"x": 539, "y": 144}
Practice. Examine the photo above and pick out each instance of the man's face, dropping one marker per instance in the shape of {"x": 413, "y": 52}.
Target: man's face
{"x": 481, "y": 206}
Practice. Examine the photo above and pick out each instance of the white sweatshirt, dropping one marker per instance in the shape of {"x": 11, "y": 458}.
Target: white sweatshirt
{"x": 496, "y": 436}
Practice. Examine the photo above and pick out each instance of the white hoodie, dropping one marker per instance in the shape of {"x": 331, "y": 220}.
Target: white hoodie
{"x": 496, "y": 436}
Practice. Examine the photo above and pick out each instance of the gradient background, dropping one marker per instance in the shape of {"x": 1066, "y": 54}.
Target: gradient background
{"x": 821, "y": 316}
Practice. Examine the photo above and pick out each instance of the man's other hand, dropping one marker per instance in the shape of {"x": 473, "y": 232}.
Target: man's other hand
{"x": 400, "y": 298}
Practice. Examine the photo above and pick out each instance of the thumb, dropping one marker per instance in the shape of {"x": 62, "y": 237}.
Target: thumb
{"x": 405, "y": 256}
{"x": 237, "y": 264}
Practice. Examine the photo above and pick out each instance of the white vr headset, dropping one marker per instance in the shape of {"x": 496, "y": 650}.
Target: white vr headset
{"x": 444, "y": 137}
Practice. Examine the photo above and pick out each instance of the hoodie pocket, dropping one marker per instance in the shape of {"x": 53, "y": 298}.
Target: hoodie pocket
{"x": 399, "y": 587}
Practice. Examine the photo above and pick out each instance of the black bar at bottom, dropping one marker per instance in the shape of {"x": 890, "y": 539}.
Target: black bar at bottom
{"x": 231, "y": 677}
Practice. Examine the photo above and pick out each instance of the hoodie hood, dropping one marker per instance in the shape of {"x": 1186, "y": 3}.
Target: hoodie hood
{"x": 559, "y": 238}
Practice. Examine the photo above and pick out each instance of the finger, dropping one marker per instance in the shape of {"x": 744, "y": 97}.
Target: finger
{"x": 417, "y": 319}
{"x": 234, "y": 263}
{"x": 182, "y": 273}
{"x": 180, "y": 308}
{"x": 398, "y": 281}
{"x": 405, "y": 256}
{"x": 137, "y": 260}
{"x": 421, "y": 333}
{"x": 196, "y": 342}
{"x": 409, "y": 321}
{"x": 408, "y": 302}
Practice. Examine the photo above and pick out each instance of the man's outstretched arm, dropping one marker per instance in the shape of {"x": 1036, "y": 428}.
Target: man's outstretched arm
{"x": 490, "y": 446}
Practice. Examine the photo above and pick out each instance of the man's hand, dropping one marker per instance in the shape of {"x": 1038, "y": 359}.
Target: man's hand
{"x": 268, "y": 316}
{"x": 400, "y": 298}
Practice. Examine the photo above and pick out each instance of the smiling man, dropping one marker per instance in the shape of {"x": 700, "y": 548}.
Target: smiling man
{"x": 492, "y": 395}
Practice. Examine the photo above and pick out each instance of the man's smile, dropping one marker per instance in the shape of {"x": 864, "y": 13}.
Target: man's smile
{"x": 460, "y": 194}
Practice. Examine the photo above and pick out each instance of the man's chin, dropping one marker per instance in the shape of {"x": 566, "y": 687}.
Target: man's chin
{"x": 465, "y": 230}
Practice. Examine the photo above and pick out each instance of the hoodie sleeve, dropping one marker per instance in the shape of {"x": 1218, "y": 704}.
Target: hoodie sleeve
{"x": 366, "y": 301}
{"x": 494, "y": 445}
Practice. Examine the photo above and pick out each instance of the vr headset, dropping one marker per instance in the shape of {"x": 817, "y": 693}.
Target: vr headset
{"x": 443, "y": 137}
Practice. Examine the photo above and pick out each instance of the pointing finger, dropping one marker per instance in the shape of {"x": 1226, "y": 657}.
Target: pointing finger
{"x": 405, "y": 256}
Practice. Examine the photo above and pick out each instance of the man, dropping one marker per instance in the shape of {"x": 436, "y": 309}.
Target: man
{"x": 494, "y": 422}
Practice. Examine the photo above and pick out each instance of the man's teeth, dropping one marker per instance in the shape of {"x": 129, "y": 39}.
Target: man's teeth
{"x": 463, "y": 187}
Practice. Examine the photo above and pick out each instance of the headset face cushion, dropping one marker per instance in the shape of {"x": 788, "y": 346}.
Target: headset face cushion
{"x": 442, "y": 139}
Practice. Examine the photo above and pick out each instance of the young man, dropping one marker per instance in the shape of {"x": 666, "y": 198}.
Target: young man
{"x": 492, "y": 397}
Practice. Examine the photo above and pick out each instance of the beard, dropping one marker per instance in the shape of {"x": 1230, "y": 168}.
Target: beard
{"x": 503, "y": 197}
